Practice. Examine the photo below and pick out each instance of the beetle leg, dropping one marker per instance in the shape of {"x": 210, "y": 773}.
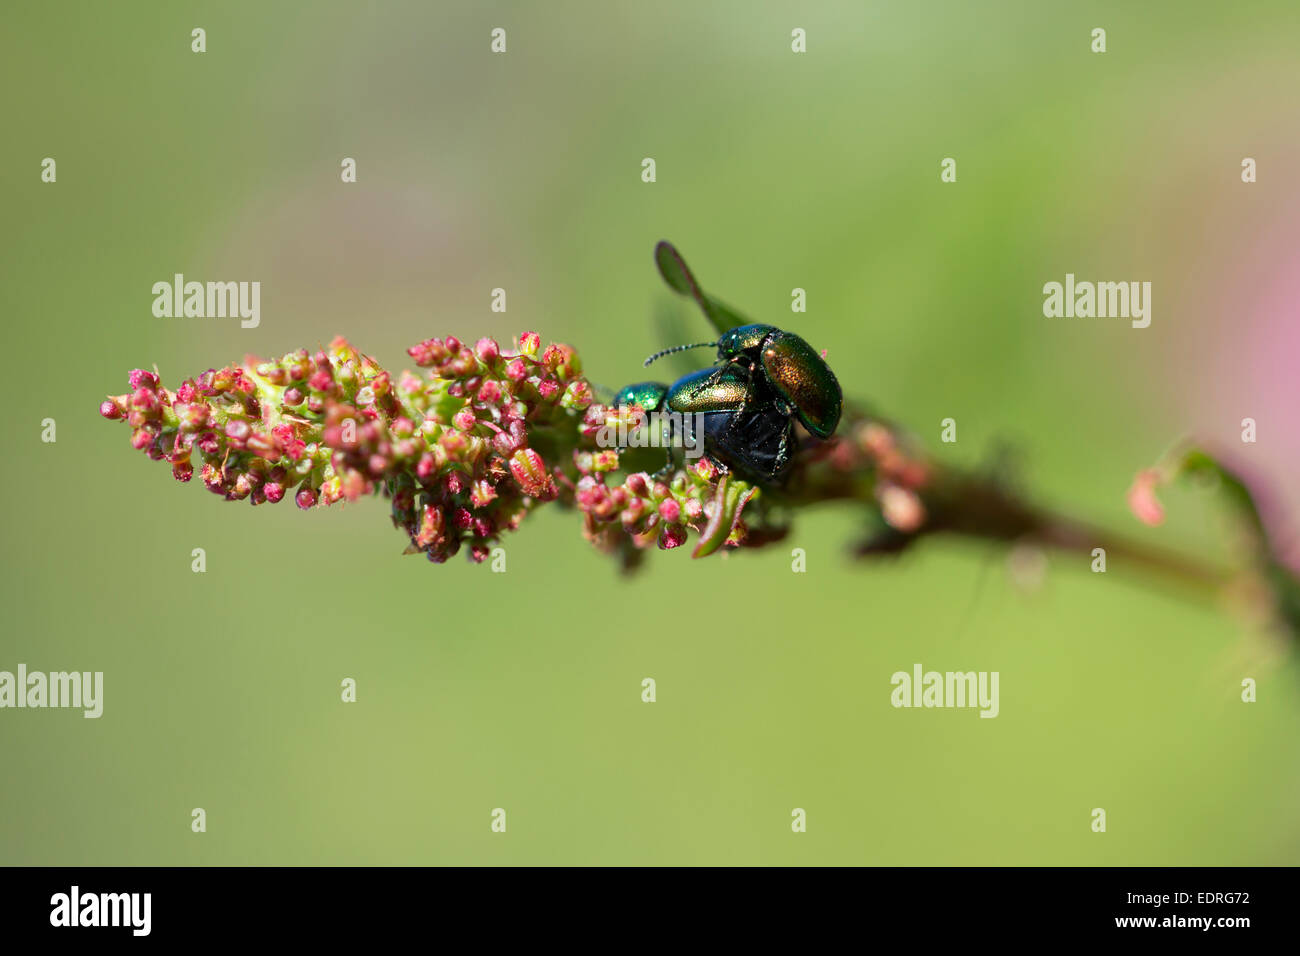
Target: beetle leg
{"x": 740, "y": 410}
{"x": 669, "y": 464}
{"x": 782, "y": 453}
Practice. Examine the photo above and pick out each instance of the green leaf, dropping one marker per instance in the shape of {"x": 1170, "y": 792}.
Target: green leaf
{"x": 728, "y": 502}
{"x": 681, "y": 280}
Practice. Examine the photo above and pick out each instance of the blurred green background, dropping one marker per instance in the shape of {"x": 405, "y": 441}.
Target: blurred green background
{"x": 774, "y": 170}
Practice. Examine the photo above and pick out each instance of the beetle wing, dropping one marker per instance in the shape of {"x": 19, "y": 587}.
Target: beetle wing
{"x": 805, "y": 381}
{"x": 709, "y": 390}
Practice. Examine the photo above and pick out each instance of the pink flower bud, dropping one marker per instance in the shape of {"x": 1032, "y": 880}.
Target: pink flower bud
{"x": 578, "y": 395}
{"x": 194, "y": 416}
{"x": 212, "y": 479}
{"x": 263, "y": 446}
{"x": 482, "y": 493}
{"x": 145, "y": 400}
{"x": 1142, "y": 500}
{"x": 431, "y": 524}
{"x": 453, "y": 443}
{"x": 705, "y": 469}
{"x": 901, "y": 508}
{"x": 529, "y": 470}
{"x": 553, "y": 357}
{"x": 243, "y": 486}
{"x": 429, "y": 352}
{"x": 672, "y": 536}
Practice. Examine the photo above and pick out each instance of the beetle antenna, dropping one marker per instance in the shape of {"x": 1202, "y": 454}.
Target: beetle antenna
{"x": 678, "y": 348}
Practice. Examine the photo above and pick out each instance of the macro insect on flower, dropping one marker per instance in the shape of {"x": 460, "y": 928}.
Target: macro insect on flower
{"x": 766, "y": 380}
{"x": 465, "y": 453}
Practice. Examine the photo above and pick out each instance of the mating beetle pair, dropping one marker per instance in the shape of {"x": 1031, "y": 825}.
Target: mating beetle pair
{"x": 767, "y": 378}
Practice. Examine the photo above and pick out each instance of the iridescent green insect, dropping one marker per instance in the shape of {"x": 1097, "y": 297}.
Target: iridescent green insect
{"x": 799, "y": 376}
{"x": 766, "y": 379}
{"x": 742, "y": 428}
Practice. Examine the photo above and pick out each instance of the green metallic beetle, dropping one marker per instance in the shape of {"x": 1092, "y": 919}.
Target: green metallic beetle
{"x": 799, "y": 376}
{"x": 739, "y": 425}
{"x": 748, "y": 403}
{"x": 765, "y": 380}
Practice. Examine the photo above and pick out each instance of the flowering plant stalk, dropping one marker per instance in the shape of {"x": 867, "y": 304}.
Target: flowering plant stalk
{"x": 466, "y": 452}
